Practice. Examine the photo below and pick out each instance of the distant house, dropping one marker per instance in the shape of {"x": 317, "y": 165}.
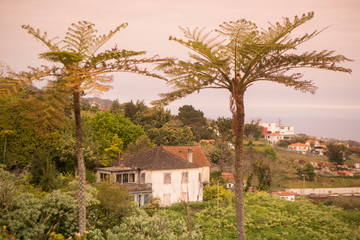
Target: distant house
{"x": 159, "y": 173}
{"x": 285, "y": 195}
{"x": 299, "y": 147}
{"x": 271, "y": 127}
{"x": 321, "y": 149}
{"x": 229, "y": 178}
{"x": 315, "y": 142}
{"x": 274, "y": 137}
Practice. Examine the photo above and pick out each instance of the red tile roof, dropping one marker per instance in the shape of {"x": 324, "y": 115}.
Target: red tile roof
{"x": 229, "y": 177}
{"x": 283, "y": 194}
{"x": 298, "y": 145}
{"x": 273, "y": 134}
{"x": 198, "y": 157}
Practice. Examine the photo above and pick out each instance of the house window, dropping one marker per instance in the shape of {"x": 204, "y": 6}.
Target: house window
{"x": 125, "y": 178}
{"x": 132, "y": 177}
{"x": 119, "y": 178}
{"x": 146, "y": 198}
{"x": 185, "y": 177}
{"x": 104, "y": 177}
{"x": 167, "y": 178}
{"x": 167, "y": 198}
{"x": 142, "y": 178}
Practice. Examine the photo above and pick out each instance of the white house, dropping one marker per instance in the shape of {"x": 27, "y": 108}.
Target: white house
{"x": 299, "y": 147}
{"x": 285, "y": 195}
{"x": 271, "y": 127}
{"x": 315, "y": 142}
{"x": 273, "y": 137}
{"x": 159, "y": 173}
{"x": 193, "y": 154}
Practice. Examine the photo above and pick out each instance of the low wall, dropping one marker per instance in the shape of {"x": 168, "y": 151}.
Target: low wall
{"x": 325, "y": 191}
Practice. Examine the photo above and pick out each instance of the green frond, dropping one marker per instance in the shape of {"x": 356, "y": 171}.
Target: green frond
{"x": 99, "y": 41}
{"x": 245, "y": 55}
{"x": 66, "y": 58}
{"x": 42, "y": 37}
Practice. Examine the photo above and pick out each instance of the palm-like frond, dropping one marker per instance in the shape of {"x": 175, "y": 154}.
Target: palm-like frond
{"x": 245, "y": 55}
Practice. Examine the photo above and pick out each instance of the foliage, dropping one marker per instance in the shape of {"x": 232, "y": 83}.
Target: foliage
{"x": 23, "y": 214}
{"x": 274, "y": 218}
{"x": 19, "y": 113}
{"x": 336, "y": 153}
{"x": 115, "y": 203}
{"x": 211, "y": 193}
{"x": 142, "y": 144}
{"x": 116, "y": 108}
{"x": 162, "y": 225}
{"x": 270, "y": 152}
{"x": 194, "y": 119}
{"x": 252, "y": 130}
{"x": 50, "y": 179}
{"x": 224, "y": 127}
{"x": 59, "y": 213}
{"x": 308, "y": 171}
{"x": 105, "y": 125}
{"x": 7, "y": 189}
{"x": 171, "y": 134}
{"x": 263, "y": 174}
{"x": 347, "y": 203}
{"x": 115, "y": 148}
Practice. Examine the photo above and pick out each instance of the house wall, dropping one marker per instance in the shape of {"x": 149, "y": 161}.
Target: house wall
{"x": 177, "y": 189}
{"x": 205, "y": 175}
{"x": 274, "y": 139}
{"x": 272, "y": 128}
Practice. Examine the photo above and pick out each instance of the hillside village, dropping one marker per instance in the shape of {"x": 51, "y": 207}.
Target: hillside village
{"x": 86, "y": 168}
{"x": 142, "y": 187}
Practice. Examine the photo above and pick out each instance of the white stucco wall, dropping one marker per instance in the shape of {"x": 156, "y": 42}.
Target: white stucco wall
{"x": 205, "y": 175}
{"x": 176, "y": 188}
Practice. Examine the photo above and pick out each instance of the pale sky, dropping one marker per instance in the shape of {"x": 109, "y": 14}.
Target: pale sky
{"x": 334, "y": 111}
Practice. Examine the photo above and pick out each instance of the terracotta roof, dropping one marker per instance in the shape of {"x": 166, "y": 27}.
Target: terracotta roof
{"x": 273, "y": 134}
{"x": 157, "y": 158}
{"x": 229, "y": 177}
{"x": 198, "y": 157}
{"x": 298, "y": 145}
{"x": 283, "y": 193}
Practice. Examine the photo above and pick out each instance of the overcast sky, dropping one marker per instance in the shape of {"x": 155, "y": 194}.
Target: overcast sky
{"x": 334, "y": 111}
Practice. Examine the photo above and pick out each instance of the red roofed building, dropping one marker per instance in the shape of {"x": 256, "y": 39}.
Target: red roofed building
{"x": 229, "y": 177}
{"x": 285, "y": 195}
{"x": 274, "y": 137}
{"x": 299, "y": 147}
{"x": 316, "y": 143}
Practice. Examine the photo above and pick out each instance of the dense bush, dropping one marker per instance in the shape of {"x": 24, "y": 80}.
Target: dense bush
{"x": 163, "y": 225}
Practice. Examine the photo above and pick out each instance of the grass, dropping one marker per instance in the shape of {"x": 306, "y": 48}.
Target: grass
{"x": 322, "y": 182}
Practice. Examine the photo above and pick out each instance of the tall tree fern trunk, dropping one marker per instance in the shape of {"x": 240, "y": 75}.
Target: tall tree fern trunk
{"x": 238, "y": 126}
{"x": 81, "y": 165}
